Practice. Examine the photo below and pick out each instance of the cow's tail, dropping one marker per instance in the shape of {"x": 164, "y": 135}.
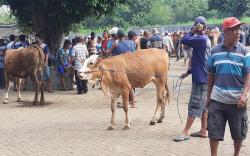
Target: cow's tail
{"x": 40, "y": 53}
{"x": 167, "y": 94}
{"x": 41, "y": 63}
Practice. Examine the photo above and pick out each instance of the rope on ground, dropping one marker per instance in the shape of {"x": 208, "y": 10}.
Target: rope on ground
{"x": 179, "y": 81}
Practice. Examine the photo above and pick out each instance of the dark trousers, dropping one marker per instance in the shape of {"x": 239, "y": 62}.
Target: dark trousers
{"x": 2, "y": 82}
{"x": 81, "y": 84}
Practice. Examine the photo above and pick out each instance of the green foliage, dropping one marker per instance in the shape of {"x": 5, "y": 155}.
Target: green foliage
{"x": 186, "y": 10}
{"x": 6, "y": 18}
{"x": 52, "y": 18}
{"x": 134, "y": 12}
{"x": 148, "y": 12}
{"x": 228, "y": 8}
{"x": 159, "y": 15}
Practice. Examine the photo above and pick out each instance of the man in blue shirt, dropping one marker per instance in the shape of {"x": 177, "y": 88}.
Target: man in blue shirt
{"x": 228, "y": 70}
{"x": 155, "y": 41}
{"x": 197, "y": 39}
{"x": 123, "y": 47}
{"x": 2, "y": 51}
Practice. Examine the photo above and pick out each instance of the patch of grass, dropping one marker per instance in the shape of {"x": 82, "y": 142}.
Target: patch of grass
{"x": 7, "y": 19}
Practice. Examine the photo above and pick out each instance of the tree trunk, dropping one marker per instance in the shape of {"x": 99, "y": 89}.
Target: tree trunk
{"x": 54, "y": 40}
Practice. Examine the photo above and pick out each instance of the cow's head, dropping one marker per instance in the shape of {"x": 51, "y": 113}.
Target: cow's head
{"x": 91, "y": 69}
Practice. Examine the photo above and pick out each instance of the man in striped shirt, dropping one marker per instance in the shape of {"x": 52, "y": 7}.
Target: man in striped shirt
{"x": 228, "y": 70}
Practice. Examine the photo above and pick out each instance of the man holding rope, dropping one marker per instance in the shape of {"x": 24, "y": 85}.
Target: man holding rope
{"x": 196, "y": 107}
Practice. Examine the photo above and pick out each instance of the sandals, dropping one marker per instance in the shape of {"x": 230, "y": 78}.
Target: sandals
{"x": 182, "y": 137}
{"x": 197, "y": 134}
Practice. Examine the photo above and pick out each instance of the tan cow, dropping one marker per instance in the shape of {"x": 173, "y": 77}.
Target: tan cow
{"x": 20, "y": 63}
{"x": 119, "y": 74}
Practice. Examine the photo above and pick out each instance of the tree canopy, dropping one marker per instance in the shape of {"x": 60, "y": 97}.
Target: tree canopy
{"x": 148, "y": 12}
{"x": 235, "y": 8}
{"x": 52, "y": 18}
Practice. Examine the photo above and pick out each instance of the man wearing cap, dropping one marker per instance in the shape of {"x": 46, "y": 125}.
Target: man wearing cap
{"x": 197, "y": 40}
{"x": 123, "y": 46}
{"x": 133, "y": 40}
{"x": 79, "y": 54}
{"x": 155, "y": 41}
{"x": 228, "y": 70}
{"x": 168, "y": 43}
{"x": 113, "y": 41}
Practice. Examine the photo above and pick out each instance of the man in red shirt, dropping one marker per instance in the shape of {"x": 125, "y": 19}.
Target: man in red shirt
{"x": 104, "y": 42}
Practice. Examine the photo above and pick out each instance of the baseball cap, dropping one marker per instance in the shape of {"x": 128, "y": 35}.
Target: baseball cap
{"x": 78, "y": 38}
{"x": 201, "y": 20}
{"x": 113, "y": 31}
{"x": 131, "y": 34}
{"x": 231, "y": 22}
{"x": 120, "y": 33}
{"x": 141, "y": 32}
{"x": 155, "y": 31}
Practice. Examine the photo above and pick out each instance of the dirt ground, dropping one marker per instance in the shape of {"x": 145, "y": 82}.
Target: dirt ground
{"x": 71, "y": 124}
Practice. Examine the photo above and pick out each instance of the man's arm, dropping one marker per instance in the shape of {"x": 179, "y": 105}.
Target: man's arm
{"x": 210, "y": 85}
{"x": 243, "y": 98}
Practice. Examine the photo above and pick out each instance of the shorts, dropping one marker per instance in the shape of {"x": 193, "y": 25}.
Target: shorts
{"x": 60, "y": 70}
{"x": 197, "y": 100}
{"x": 219, "y": 114}
{"x": 46, "y": 75}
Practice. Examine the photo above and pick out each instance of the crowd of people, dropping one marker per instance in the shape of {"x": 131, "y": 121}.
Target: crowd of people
{"x": 113, "y": 42}
{"x": 218, "y": 62}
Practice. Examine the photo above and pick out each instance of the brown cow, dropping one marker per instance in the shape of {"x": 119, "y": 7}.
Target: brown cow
{"x": 119, "y": 74}
{"x": 20, "y": 63}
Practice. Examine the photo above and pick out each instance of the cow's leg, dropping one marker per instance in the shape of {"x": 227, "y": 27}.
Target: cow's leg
{"x": 36, "y": 85}
{"x": 42, "y": 101}
{"x": 7, "y": 81}
{"x": 165, "y": 95}
{"x": 125, "y": 100}
{"x": 163, "y": 105}
{"x": 41, "y": 83}
{"x": 166, "y": 99}
{"x": 113, "y": 107}
{"x": 160, "y": 90}
{"x": 18, "y": 85}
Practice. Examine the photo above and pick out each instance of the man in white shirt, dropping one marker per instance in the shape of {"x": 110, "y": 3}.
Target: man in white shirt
{"x": 168, "y": 43}
{"x": 79, "y": 54}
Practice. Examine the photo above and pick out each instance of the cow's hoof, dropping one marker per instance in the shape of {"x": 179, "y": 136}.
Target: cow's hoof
{"x": 35, "y": 103}
{"x": 126, "y": 128}
{"x": 111, "y": 128}
{"x": 19, "y": 100}
{"x": 42, "y": 102}
{"x": 152, "y": 123}
{"x": 159, "y": 121}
